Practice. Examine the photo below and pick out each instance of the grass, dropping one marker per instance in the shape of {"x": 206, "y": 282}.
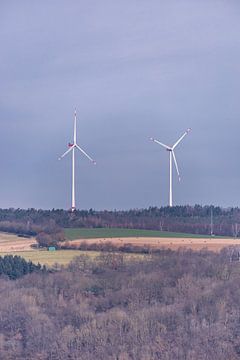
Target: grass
{"x": 61, "y": 257}
{"x": 49, "y": 258}
{"x": 83, "y": 233}
{"x": 8, "y": 237}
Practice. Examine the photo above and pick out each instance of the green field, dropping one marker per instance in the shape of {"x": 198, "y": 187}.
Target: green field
{"x": 83, "y": 233}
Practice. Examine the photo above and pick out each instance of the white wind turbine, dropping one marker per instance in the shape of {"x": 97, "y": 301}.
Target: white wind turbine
{"x": 72, "y": 147}
{"x": 170, "y": 149}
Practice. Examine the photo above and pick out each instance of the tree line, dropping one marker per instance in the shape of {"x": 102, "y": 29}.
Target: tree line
{"x": 188, "y": 219}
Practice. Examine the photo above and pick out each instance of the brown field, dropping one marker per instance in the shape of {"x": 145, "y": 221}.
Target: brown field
{"x": 12, "y": 243}
{"x": 213, "y": 244}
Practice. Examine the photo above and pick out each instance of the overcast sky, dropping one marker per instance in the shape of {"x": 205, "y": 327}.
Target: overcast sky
{"x": 133, "y": 69}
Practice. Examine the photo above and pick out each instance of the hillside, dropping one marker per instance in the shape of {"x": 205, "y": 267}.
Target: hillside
{"x": 176, "y": 305}
{"x": 179, "y": 219}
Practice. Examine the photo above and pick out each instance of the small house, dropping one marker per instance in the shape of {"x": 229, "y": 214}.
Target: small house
{"x": 51, "y": 248}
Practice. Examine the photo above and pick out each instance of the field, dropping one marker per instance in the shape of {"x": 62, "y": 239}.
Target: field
{"x": 154, "y": 239}
{"x": 49, "y": 258}
{"x": 62, "y": 257}
{"x": 12, "y": 244}
{"x": 82, "y": 233}
{"x": 214, "y": 244}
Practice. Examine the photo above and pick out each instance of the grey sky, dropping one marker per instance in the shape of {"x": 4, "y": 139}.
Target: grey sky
{"x": 133, "y": 69}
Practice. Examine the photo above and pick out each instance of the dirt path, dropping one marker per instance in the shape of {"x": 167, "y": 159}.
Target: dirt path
{"x": 213, "y": 244}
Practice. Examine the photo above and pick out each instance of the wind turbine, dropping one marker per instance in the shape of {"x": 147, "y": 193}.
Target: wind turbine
{"x": 171, "y": 149}
{"x": 72, "y": 147}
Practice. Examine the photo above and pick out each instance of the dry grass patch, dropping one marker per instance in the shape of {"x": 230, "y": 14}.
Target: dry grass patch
{"x": 12, "y": 243}
{"x": 214, "y": 244}
{"x": 62, "y": 257}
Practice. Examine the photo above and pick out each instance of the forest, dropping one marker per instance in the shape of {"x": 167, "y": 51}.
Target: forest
{"x": 172, "y": 305}
{"x": 15, "y": 267}
{"x": 185, "y": 219}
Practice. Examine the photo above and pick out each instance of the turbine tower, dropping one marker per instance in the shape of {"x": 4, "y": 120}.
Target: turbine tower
{"x": 72, "y": 147}
{"x": 172, "y": 157}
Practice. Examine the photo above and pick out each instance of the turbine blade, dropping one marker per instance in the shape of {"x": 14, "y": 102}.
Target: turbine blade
{"x": 176, "y": 165}
{"x": 159, "y": 143}
{"x": 181, "y": 138}
{"x": 84, "y": 153}
{"x": 66, "y": 152}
